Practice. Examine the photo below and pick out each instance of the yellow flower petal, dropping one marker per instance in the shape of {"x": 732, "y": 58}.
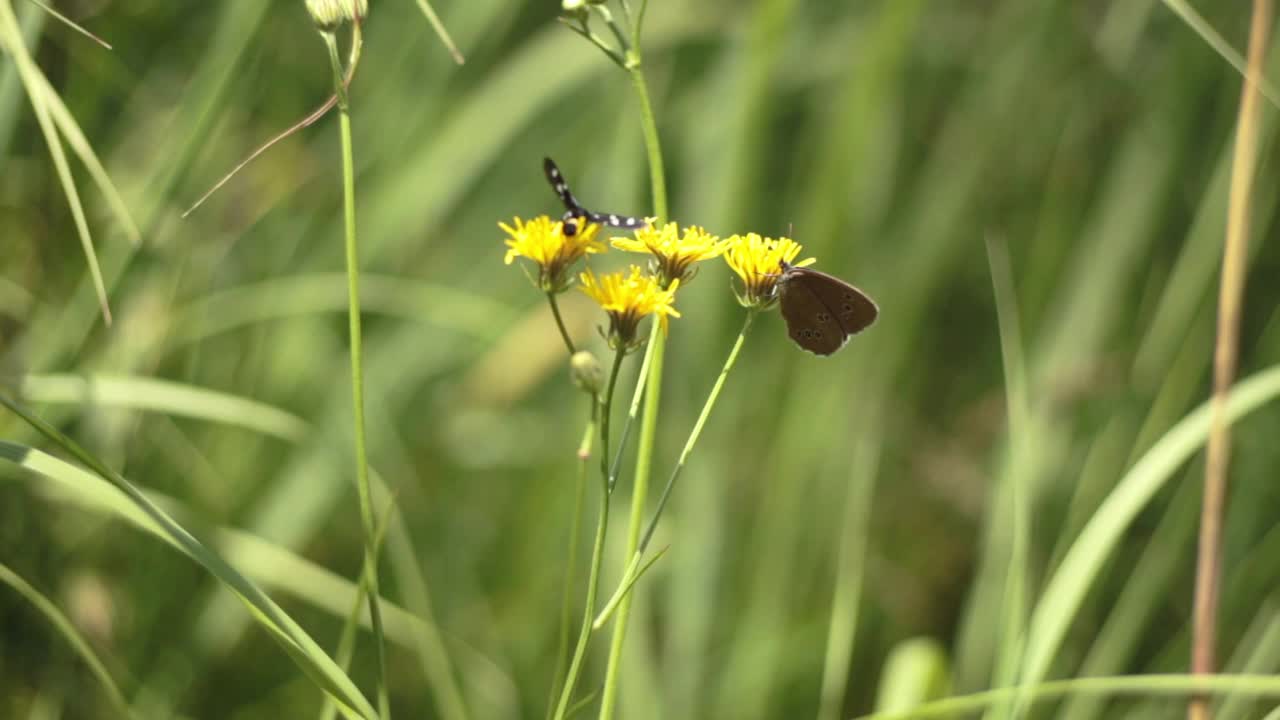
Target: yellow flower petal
{"x": 628, "y": 299}
{"x": 544, "y": 241}
{"x": 674, "y": 253}
{"x": 758, "y": 262}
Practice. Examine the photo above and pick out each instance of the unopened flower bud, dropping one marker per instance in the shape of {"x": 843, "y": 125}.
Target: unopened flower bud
{"x": 575, "y": 8}
{"x": 330, "y": 14}
{"x": 586, "y": 373}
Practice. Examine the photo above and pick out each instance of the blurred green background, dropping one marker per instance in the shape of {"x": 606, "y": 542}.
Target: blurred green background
{"x": 835, "y": 507}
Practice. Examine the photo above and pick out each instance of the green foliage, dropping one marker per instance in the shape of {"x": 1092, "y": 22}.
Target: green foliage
{"x": 833, "y": 509}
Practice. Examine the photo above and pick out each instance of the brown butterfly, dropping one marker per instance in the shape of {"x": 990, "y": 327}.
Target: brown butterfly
{"x": 822, "y": 311}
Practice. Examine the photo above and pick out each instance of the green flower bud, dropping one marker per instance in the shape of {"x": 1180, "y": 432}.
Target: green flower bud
{"x": 329, "y": 15}
{"x": 586, "y": 373}
{"x": 576, "y": 9}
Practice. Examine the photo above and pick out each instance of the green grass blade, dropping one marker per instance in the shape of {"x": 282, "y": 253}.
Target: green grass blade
{"x": 1065, "y": 591}
{"x": 162, "y": 396}
{"x": 67, "y": 629}
{"x": 1261, "y": 686}
{"x": 441, "y": 31}
{"x": 287, "y": 633}
{"x": 71, "y": 24}
{"x": 1196, "y": 22}
{"x": 11, "y": 39}
{"x": 443, "y": 306}
{"x": 80, "y": 145}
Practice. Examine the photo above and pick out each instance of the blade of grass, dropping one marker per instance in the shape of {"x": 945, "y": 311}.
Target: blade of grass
{"x": 1065, "y": 591}
{"x": 1262, "y": 686}
{"x": 280, "y": 626}
{"x": 270, "y": 564}
{"x": 11, "y": 39}
{"x": 1019, "y": 469}
{"x": 162, "y": 396}
{"x": 441, "y": 31}
{"x": 1197, "y": 23}
{"x": 446, "y": 307}
{"x": 71, "y": 24}
{"x": 63, "y": 625}
{"x": 80, "y": 145}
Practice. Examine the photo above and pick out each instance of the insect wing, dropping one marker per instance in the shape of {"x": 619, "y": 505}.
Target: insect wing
{"x": 574, "y": 209}
{"x": 821, "y": 310}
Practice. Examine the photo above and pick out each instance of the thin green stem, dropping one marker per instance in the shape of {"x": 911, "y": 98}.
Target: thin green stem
{"x": 347, "y": 639}
{"x": 653, "y": 147}
{"x": 597, "y": 551}
{"x": 566, "y": 607}
{"x": 564, "y": 332}
{"x": 357, "y": 377}
{"x": 618, "y": 35}
{"x": 634, "y": 411}
{"x": 697, "y": 429}
{"x": 594, "y": 39}
{"x": 638, "y": 24}
{"x": 653, "y": 383}
{"x": 634, "y": 565}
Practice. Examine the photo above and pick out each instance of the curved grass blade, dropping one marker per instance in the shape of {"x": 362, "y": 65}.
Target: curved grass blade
{"x": 1132, "y": 686}
{"x": 446, "y": 307}
{"x": 67, "y": 629}
{"x": 1081, "y": 565}
{"x": 170, "y": 398}
{"x": 309, "y": 657}
{"x": 11, "y": 39}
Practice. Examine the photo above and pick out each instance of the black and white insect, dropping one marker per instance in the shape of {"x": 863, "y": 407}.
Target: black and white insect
{"x": 574, "y": 213}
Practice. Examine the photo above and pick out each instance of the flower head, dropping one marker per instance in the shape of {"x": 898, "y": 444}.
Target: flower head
{"x": 673, "y": 254}
{"x": 758, "y": 262}
{"x": 544, "y": 241}
{"x": 628, "y": 299}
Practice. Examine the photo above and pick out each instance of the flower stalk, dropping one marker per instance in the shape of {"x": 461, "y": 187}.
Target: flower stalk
{"x": 566, "y": 608}
{"x": 597, "y": 551}
{"x": 357, "y": 369}
{"x": 652, "y": 380}
{"x": 634, "y": 567}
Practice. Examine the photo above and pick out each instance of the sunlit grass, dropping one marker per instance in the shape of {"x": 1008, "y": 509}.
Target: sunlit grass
{"x": 910, "y": 487}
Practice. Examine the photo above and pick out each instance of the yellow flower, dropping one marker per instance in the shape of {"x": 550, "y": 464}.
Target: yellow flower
{"x": 758, "y": 262}
{"x": 543, "y": 241}
{"x": 628, "y": 299}
{"x": 673, "y": 254}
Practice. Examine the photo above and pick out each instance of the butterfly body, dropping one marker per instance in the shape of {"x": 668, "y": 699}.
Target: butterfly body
{"x": 575, "y": 213}
{"x": 822, "y": 311}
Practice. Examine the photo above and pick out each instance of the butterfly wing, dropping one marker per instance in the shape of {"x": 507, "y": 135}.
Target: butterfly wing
{"x": 853, "y": 309}
{"x": 811, "y": 323}
{"x": 822, "y": 310}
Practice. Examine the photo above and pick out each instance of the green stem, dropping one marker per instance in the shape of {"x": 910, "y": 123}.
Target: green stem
{"x": 634, "y": 566}
{"x": 564, "y": 332}
{"x": 566, "y": 608}
{"x": 697, "y": 429}
{"x": 357, "y": 378}
{"x": 653, "y": 384}
{"x": 653, "y": 147}
{"x": 636, "y": 397}
{"x": 597, "y": 551}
